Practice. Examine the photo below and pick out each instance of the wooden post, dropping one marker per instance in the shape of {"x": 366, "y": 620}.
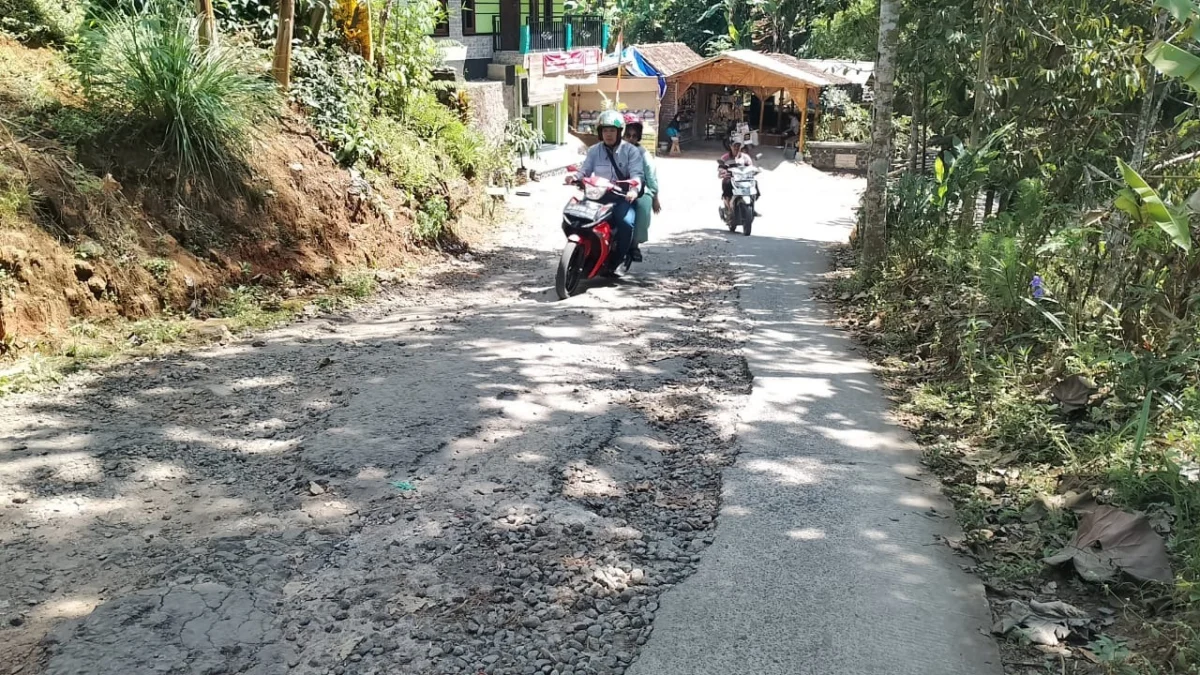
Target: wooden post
{"x": 762, "y": 110}
{"x": 779, "y": 126}
{"x": 803, "y": 122}
{"x": 208, "y": 23}
{"x": 282, "y": 66}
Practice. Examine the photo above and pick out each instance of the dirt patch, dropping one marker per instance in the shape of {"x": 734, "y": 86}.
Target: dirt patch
{"x": 107, "y": 231}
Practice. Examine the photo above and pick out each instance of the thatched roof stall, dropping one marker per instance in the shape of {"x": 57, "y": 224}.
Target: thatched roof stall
{"x": 764, "y": 74}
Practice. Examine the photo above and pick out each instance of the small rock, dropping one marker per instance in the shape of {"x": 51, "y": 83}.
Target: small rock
{"x": 531, "y": 621}
{"x": 315, "y": 488}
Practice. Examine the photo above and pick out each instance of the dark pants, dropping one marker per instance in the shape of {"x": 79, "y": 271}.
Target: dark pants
{"x": 622, "y": 222}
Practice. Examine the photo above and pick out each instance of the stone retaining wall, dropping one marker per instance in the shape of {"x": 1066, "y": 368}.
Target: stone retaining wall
{"x": 489, "y": 112}
{"x": 838, "y": 156}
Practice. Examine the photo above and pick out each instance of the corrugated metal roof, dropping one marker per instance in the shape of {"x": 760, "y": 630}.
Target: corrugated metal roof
{"x": 855, "y": 72}
{"x": 780, "y": 65}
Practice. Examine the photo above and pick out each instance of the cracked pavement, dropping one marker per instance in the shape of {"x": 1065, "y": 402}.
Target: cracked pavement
{"x": 465, "y": 476}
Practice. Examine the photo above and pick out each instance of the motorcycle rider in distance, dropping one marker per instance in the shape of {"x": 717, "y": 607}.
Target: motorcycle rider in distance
{"x": 737, "y": 155}
{"x": 648, "y": 202}
{"x": 615, "y": 160}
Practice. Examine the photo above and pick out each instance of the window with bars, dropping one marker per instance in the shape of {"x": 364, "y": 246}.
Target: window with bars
{"x": 468, "y": 17}
{"x": 442, "y": 29}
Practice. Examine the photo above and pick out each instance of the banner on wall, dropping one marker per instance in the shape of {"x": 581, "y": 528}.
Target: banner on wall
{"x": 586, "y": 61}
{"x": 544, "y": 90}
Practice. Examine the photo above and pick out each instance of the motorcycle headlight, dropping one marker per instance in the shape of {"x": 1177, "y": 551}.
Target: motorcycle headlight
{"x": 594, "y": 192}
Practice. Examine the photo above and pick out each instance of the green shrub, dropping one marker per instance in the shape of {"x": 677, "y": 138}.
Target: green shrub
{"x": 146, "y": 74}
{"x": 335, "y": 88}
{"x": 409, "y": 161}
{"x": 40, "y": 22}
{"x": 432, "y": 218}
{"x": 359, "y": 285}
{"x": 462, "y": 145}
{"x": 844, "y": 119}
{"x": 408, "y": 51}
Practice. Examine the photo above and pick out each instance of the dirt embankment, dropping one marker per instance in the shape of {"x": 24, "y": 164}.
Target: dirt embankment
{"x": 105, "y": 231}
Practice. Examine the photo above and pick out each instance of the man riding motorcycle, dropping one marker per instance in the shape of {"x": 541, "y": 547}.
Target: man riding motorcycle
{"x": 737, "y": 155}
{"x": 616, "y": 160}
{"x": 648, "y": 202}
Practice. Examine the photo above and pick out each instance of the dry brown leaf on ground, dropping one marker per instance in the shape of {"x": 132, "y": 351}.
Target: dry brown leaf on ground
{"x": 1042, "y": 623}
{"x": 1110, "y": 540}
{"x": 1073, "y": 393}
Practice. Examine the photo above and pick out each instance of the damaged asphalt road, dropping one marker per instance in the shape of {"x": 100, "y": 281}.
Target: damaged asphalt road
{"x": 468, "y": 477}
{"x": 462, "y": 478}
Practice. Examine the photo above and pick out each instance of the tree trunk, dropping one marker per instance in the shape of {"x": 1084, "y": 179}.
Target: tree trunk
{"x": 381, "y": 48}
{"x": 1148, "y": 115}
{"x": 208, "y": 23}
{"x": 874, "y": 239}
{"x": 282, "y": 67}
{"x": 914, "y": 127}
{"x": 978, "y": 111}
{"x": 981, "y": 76}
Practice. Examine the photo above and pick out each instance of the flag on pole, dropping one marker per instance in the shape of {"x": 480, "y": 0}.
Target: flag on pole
{"x": 620, "y": 53}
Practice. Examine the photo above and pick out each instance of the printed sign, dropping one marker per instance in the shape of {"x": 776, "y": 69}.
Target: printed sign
{"x": 575, "y": 60}
{"x": 544, "y": 90}
{"x": 845, "y": 161}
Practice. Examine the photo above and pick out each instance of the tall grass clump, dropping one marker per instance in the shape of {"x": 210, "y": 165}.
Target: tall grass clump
{"x": 146, "y": 73}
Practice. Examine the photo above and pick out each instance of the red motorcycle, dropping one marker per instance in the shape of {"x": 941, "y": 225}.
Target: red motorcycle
{"x": 589, "y": 234}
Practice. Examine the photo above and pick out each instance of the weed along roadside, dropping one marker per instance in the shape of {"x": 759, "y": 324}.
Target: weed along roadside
{"x": 1079, "y": 504}
{"x": 1025, "y": 274}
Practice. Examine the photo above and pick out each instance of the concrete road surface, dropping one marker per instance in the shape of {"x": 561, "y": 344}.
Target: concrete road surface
{"x": 826, "y": 559}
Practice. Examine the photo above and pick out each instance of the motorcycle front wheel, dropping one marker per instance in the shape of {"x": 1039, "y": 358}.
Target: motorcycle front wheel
{"x": 570, "y": 270}
{"x": 745, "y": 213}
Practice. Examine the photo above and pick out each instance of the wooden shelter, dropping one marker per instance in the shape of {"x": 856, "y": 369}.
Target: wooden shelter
{"x": 763, "y": 74}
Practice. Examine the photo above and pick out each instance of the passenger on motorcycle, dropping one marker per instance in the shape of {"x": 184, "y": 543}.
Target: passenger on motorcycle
{"x": 648, "y": 202}
{"x": 737, "y": 155}
{"x": 616, "y": 160}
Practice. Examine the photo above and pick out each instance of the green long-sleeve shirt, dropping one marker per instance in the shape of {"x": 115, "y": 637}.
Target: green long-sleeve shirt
{"x": 644, "y": 207}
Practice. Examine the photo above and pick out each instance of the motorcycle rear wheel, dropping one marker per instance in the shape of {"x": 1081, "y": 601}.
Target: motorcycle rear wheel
{"x": 570, "y": 270}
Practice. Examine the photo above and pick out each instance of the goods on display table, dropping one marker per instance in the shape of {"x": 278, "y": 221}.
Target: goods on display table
{"x": 588, "y": 119}
{"x": 742, "y": 134}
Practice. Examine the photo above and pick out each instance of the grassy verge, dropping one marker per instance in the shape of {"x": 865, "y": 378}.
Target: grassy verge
{"x": 978, "y": 397}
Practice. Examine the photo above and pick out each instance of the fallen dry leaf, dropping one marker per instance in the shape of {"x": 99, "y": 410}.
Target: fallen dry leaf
{"x": 1110, "y": 540}
{"x": 1073, "y": 393}
{"x": 1042, "y": 623}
